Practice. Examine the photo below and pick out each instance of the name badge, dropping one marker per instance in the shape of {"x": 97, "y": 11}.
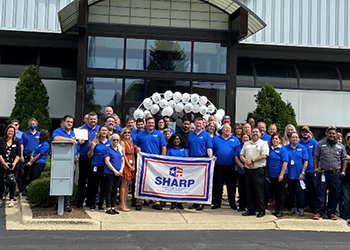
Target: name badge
{"x": 130, "y": 161}
{"x": 292, "y": 162}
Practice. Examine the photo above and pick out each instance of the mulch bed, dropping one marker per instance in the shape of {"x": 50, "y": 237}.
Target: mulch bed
{"x": 50, "y": 213}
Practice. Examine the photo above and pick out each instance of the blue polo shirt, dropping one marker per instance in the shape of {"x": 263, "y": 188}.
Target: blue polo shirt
{"x": 29, "y": 141}
{"x": 238, "y": 150}
{"x": 198, "y": 144}
{"x": 172, "y": 130}
{"x": 85, "y": 147}
{"x": 178, "y": 152}
{"x": 98, "y": 159}
{"x": 310, "y": 146}
{"x": 43, "y": 148}
{"x": 19, "y": 134}
{"x": 266, "y": 138}
{"x": 133, "y": 134}
{"x": 115, "y": 158}
{"x": 60, "y": 132}
{"x": 118, "y": 128}
{"x": 298, "y": 155}
{"x": 150, "y": 142}
{"x": 275, "y": 160}
{"x": 224, "y": 150}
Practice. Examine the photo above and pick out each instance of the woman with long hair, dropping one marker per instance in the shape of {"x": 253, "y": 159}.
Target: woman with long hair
{"x": 9, "y": 157}
{"x": 212, "y": 129}
{"x": 129, "y": 171}
{"x": 161, "y": 124}
{"x": 113, "y": 170}
{"x": 277, "y": 162}
{"x": 97, "y": 151}
{"x": 237, "y": 130}
{"x": 288, "y": 130}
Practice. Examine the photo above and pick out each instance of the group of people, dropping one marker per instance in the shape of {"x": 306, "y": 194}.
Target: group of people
{"x": 257, "y": 159}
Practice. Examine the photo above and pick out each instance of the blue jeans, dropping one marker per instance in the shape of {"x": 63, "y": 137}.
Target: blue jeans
{"x": 296, "y": 193}
{"x": 333, "y": 184}
{"x": 346, "y": 200}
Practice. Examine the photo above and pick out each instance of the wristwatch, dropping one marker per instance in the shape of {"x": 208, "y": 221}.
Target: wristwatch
{"x": 303, "y": 173}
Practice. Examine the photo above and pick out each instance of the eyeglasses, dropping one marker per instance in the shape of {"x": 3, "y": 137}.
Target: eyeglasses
{"x": 126, "y": 132}
{"x": 115, "y": 140}
{"x": 15, "y": 124}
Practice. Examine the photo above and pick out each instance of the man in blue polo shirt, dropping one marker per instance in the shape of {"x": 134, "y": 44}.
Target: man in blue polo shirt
{"x": 224, "y": 147}
{"x": 199, "y": 144}
{"x": 310, "y": 145}
{"x": 150, "y": 141}
{"x": 264, "y": 135}
{"x": 84, "y": 161}
{"x": 65, "y": 133}
{"x": 29, "y": 140}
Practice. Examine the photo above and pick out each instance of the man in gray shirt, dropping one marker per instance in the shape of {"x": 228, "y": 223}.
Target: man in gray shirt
{"x": 330, "y": 165}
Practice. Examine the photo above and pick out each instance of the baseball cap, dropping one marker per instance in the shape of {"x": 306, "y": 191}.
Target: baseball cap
{"x": 305, "y": 128}
{"x": 331, "y": 127}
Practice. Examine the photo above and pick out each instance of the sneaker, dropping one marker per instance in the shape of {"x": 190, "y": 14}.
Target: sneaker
{"x": 114, "y": 211}
{"x": 179, "y": 206}
{"x": 332, "y": 217}
{"x": 68, "y": 209}
{"x": 138, "y": 207}
{"x": 173, "y": 206}
{"x": 292, "y": 211}
{"x": 301, "y": 212}
{"x": 317, "y": 216}
{"x": 109, "y": 211}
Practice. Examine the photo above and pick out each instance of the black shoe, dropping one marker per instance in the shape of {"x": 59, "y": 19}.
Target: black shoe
{"x": 261, "y": 214}
{"x": 114, "y": 211}
{"x": 173, "y": 206}
{"x": 92, "y": 208}
{"x": 292, "y": 211}
{"x": 215, "y": 206}
{"x": 241, "y": 209}
{"x": 234, "y": 207}
{"x": 179, "y": 206}
{"x": 24, "y": 192}
{"x": 199, "y": 208}
{"x": 68, "y": 209}
{"x": 145, "y": 203}
{"x": 100, "y": 209}
{"x": 138, "y": 207}
{"x": 157, "y": 207}
{"x": 162, "y": 203}
{"x": 278, "y": 213}
{"x": 193, "y": 206}
{"x": 109, "y": 211}
{"x": 248, "y": 213}
{"x": 133, "y": 203}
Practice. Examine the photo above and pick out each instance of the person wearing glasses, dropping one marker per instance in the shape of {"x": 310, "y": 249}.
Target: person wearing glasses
{"x": 16, "y": 124}
{"x": 113, "y": 170}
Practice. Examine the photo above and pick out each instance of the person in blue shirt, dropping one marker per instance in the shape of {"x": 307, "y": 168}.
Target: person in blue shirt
{"x": 277, "y": 162}
{"x": 264, "y": 136}
{"x": 113, "y": 170}
{"x": 297, "y": 163}
{"x": 85, "y": 161}
{"x": 117, "y": 123}
{"x": 199, "y": 144}
{"x": 29, "y": 141}
{"x": 212, "y": 129}
{"x": 241, "y": 173}
{"x": 177, "y": 149}
{"x": 19, "y": 133}
{"x": 38, "y": 158}
{"x": 310, "y": 144}
{"x": 97, "y": 152}
{"x": 224, "y": 146}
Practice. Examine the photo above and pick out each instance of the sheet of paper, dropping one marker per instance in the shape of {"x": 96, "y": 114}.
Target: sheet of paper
{"x": 81, "y": 134}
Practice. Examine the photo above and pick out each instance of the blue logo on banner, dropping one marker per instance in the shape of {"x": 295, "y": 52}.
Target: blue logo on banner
{"x": 176, "y": 171}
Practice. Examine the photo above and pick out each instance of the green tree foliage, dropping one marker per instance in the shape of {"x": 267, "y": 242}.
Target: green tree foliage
{"x": 31, "y": 100}
{"x": 272, "y": 109}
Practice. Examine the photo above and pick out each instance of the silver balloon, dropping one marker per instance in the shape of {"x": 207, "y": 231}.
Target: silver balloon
{"x": 156, "y": 97}
{"x": 203, "y": 110}
{"x": 138, "y": 113}
{"x": 180, "y": 114}
{"x": 179, "y": 107}
{"x": 147, "y": 103}
{"x": 163, "y": 103}
{"x": 188, "y": 107}
{"x": 194, "y": 98}
{"x": 206, "y": 117}
{"x": 218, "y": 117}
{"x": 195, "y": 108}
{"x": 171, "y": 104}
{"x": 167, "y": 111}
{"x": 177, "y": 97}
{"x": 203, "y": 100}
{"x": 168, "y": 95}
{"x": 146, "y": 112}
{"x": 154, "y": 109}
{"x": 211, "y": 109}
{"x": 186, "y": 98}
{"x": 221, "y": 112}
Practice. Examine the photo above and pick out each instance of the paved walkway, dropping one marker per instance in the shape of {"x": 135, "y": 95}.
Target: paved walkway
{"x": 20, "y": 218}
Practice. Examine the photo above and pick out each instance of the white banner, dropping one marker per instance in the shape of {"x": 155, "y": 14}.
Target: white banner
{"x": 177, "y": 179}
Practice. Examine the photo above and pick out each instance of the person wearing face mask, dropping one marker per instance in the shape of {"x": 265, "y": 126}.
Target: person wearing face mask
{"x": 29, "y": 141}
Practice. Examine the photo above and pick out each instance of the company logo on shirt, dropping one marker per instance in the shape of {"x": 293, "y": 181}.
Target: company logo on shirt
{"x": 299, "y": 149}
{"x": 277, "y": 151}
{"x": 155, "y": 135}
{"x": 201, "y": 137}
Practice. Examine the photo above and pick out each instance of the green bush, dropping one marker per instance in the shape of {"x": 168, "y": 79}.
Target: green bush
{"x": 45, "y": 174}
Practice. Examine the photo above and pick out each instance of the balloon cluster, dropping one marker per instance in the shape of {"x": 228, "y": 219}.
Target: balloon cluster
{"x": 176, "y": 105}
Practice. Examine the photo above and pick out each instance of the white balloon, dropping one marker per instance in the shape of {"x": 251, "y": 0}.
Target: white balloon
{"x": 146, "y": 112}
{"x": 203, "y": 100}
{"x": 194, "y": 98}
{"x": 147, "y": 103}
{"x": 203, "y": 110}
{"x": 138, "y": 113}
{"x": 177, "y": 97}
{"x": 168, "y": 95}
{"x": 179, "y": 107}
{"x": 156, "y": 97}
{"x": 154, "y": 109}
{"x": 196, "y": 108}
{"x": 211, "y": 109}
{"x": 171, "y": 104}
{"x": 163, "y": 103}
{"x": 167, "y": 111}
{"x": 206, "y": 117}
{"x": 218, "y": 117}
{"x": 221, "y": 112}
{"x": 180, "y": 114}
{"x": 188, "y": 107}
{"x": 178, "y": 122}
{"x": 186, "y": 98}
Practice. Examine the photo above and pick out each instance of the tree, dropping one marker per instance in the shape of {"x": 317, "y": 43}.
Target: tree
{"x": 272, "y": 109}
{"x": 31, "y": 100}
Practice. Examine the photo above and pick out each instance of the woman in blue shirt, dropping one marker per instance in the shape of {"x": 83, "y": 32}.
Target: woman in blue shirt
{"x": 297, "y": 163}
{"x": 241, "y": 174}
{"x": 97, "y": 152}
{"x": 38, "y": 158}
{"x": 277, "y": 162}
{"x": 113, "y": 170}
{"x": 175, "y": 148}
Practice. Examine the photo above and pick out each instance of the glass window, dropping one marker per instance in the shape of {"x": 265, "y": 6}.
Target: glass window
{"x": 245, "y": 76}
{"x": 102, "y": 92}
{"x": 279, "y": 75}
{"x": 344, "y": 70}
{"x": 318, "y": 76}
{"x": 105, "y": 52}
{"x": 214, "y": 91}
{"x": 19, "y": 56}
{"x": 135, "y": 54}
{"x": 164, "y": 85}
{"x": 209, "y": 58}
{"x": 135, "y": 90}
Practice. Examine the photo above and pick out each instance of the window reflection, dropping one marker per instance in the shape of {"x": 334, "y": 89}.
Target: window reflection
{"x": 245, "y": 76}
{"x": 161, "y": 86}
{"x": 279, "y": 75}
{"x": 209, "y": 58}
{"x": 214, "y": 91}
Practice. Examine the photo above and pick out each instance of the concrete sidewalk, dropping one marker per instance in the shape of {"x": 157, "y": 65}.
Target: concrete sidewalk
{"x": 20, "y": 218}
